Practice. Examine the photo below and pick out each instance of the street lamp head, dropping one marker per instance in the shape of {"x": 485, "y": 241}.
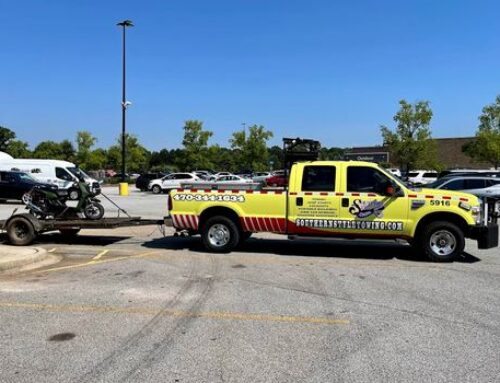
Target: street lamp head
{"x": 126, "y": 23}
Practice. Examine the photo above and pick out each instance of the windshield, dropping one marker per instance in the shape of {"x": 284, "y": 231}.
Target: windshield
{"x": 26, "y": 178}
{"x": 437, "y": 183}
{"x": 79, "y": 173}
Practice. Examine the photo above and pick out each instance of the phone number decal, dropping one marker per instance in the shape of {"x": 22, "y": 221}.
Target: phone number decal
{"x": 209, "y": 198}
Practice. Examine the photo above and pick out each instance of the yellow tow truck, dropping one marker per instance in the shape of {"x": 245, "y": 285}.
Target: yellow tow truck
{"x": 343, "y": 199}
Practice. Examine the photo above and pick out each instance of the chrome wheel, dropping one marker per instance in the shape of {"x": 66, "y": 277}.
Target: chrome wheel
{"x": 219, "y": 235}
{"x": 443, "y": 242}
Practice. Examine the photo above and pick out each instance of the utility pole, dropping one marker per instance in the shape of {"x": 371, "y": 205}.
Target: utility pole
{"x": 125, "y": 104}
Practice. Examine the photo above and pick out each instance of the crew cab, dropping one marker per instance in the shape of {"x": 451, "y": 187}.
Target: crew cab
{"x": 348, "y": 199}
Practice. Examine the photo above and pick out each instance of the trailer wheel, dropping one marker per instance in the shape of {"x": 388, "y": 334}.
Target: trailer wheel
{"x": 441, "y": 241}
{"x": 69, "y": 232}
{"x": 20, "y": 231}
{"x": 220, "y": 234}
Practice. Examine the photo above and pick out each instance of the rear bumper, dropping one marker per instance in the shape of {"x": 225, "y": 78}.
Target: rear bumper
{"x": 486, "y": 236}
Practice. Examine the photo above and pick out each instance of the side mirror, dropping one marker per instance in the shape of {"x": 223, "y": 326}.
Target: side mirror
{"x": 390, "y": 190}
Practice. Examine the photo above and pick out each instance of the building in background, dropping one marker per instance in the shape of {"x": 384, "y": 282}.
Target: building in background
{"x": 449, "y": 152}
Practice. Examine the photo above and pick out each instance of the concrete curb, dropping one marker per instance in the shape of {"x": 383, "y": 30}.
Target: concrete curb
{"x": 16, "y": 257}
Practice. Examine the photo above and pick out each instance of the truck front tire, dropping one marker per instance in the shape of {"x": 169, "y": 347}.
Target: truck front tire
{"x": 441, "y": 241}
{"x": 220, "y": 234}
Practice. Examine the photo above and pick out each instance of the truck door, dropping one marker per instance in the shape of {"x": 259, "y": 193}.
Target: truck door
{"x": 313, "y": 203}
{"x": 367, "y": 206}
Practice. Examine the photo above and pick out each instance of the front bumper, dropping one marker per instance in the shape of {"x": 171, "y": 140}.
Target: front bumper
{"x": 486, "y": 235}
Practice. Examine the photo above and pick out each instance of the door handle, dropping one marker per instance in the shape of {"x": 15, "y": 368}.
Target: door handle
{"x": 345, "y": 202}
{"x": 299, "y": 201}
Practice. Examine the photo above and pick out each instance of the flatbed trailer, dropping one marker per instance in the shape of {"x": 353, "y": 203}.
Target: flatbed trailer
{"x": 23, "y": 229}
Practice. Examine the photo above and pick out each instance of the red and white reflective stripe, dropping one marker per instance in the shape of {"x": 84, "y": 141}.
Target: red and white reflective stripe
{"x": 254, "y": 228}
{"x": 256, "y": 222}
{"x": 174, "y": 220}
{"x": 185, "y": 221}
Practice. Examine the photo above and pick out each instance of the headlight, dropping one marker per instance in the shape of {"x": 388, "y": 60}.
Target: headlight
{"x": 476, "y": 213}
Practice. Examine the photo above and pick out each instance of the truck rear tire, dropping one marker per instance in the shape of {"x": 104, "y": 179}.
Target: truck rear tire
{"x": 220, "y": 234}
{"x": 20, "y": 231}
{"x": 441, "y": 241}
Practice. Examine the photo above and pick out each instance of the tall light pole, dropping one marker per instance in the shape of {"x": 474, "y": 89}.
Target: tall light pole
{"x": 124, "y": 24}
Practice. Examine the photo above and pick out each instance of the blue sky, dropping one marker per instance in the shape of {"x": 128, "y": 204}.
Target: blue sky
{"x": 330, "y": 70}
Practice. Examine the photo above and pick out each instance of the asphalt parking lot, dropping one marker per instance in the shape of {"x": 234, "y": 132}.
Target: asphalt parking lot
{"x": 134, "y": 305}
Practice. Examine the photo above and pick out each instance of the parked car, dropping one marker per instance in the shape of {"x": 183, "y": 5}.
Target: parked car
{"x": 144, "y": 179}
{"x": 395, "y": 171}
{"x": 277, "y": 179}
{"x": 63, "y": 174}
{"x": 422, "y": 177}
{"x": 448, "y": 174}
{"x": 233, "y": 179}
{"x": 203, "y": 174}
{"x": 260, "y": 176}
{"x": 13, "y": 185}
{"x": 479, "y": 186}
{"x": 213, "y": 177}
{"x": 171, "y": 181}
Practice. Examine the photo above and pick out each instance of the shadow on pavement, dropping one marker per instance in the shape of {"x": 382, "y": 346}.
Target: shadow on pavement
{"x": 308, "y": 248}
{"x": 58, "y": 239}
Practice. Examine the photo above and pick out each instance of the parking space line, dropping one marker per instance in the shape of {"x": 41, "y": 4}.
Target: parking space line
{"x": 98, "y": 256}
{"x": 99, "y": 261}
{"x": 220, "y": 315}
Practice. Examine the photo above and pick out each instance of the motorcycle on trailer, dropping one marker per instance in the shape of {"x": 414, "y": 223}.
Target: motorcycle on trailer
{"x": 50, "y": 202}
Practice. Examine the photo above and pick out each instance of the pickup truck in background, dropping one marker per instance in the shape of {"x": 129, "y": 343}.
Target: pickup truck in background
{"x": 346, "y": 199}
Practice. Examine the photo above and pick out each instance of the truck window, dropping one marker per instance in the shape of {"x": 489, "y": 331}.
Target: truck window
{"x": 366, "y": 179}
{"x": 318, "y": 178}
{"x": 63, "y": 174}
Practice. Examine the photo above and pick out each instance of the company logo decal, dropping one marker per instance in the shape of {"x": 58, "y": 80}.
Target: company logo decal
{"x": 365, "y": 209}
{"x": 350, "y": 224}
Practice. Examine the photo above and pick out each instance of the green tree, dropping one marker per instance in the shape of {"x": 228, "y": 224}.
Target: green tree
{"x": 18, "y": 149}
{"x": 84, "y": 143}
{"x": 136, "y": 155}
{"x": 195, "y": 144}
{"x": 221, "y": 159}
{"x": 275, "y": 157}
{"x": 9, "y": 144}
{"x": 52, "y": 150}
{"x": 250, "y": 149}
{"x": 6, "y": 137}
{"x": 331, "y": 154}
{"x": 411, "y": 143}
{"x": 486, "y": 146}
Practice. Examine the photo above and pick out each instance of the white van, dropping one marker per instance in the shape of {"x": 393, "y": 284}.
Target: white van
{"x": 60, "y": 173}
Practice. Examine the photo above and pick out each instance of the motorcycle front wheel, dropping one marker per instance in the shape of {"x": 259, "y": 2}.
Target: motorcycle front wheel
{"x": 93, "y": 210}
